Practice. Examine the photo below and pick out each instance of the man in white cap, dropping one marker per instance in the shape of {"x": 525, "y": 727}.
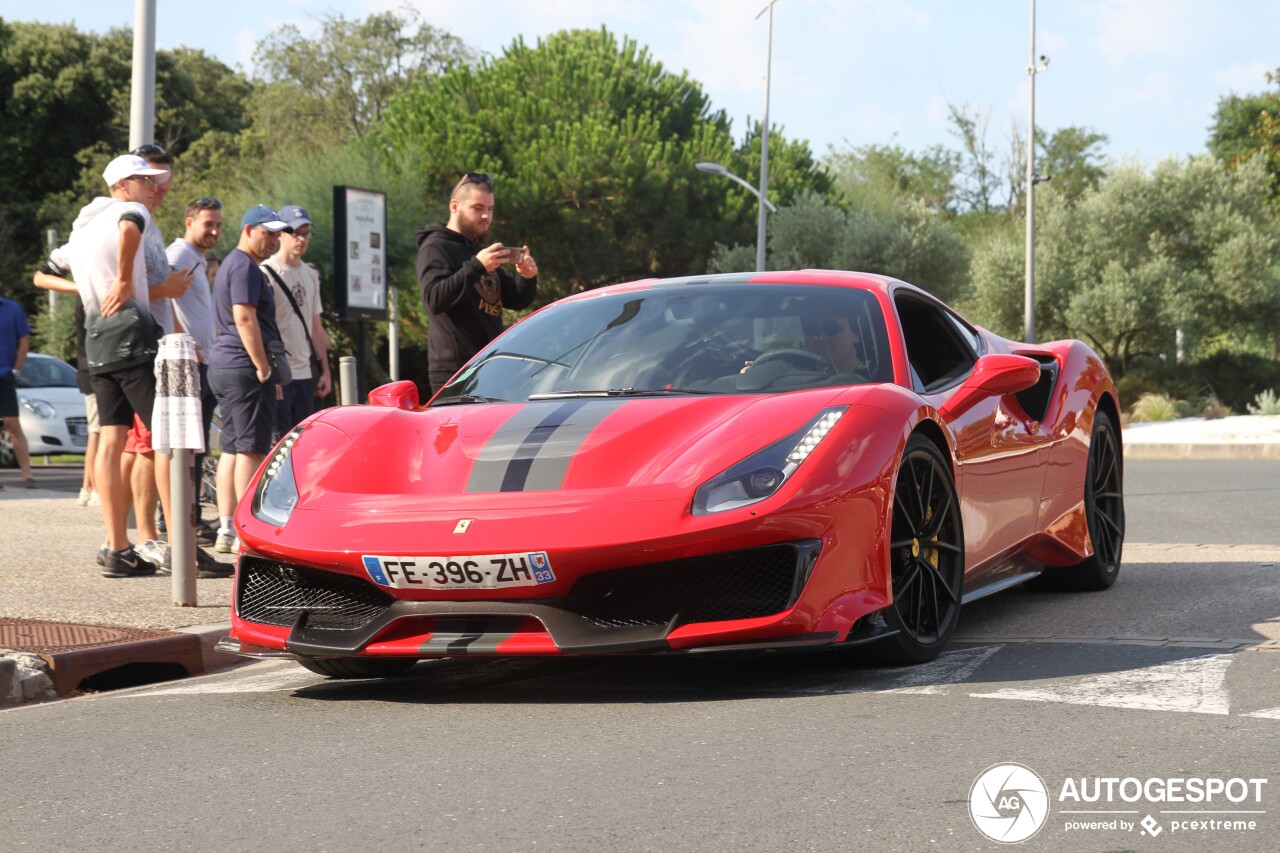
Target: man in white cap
{"x": 240, "y": 369}
{"x": 297, "y": 292}
{"x": 121, "y": 339}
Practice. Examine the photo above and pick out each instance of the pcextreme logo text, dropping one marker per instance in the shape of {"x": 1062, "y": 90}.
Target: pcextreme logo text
{"x": 1009, "y": 803}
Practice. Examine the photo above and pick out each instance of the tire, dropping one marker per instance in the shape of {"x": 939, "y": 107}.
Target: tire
{"x": 1104, "y": 512}
{"x": 926, "y": 558}
{"x": 8, "y": 457}
{"x": 359, "y": 667}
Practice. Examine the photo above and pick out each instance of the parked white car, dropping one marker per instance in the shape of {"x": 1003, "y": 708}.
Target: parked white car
{"x": 50, "y": 409}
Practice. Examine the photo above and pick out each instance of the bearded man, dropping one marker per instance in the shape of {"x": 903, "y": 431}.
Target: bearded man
{"x": 461, "y": 281}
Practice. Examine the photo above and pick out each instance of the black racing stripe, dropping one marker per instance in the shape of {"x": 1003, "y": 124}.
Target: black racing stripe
{"x": 518, "y": 470}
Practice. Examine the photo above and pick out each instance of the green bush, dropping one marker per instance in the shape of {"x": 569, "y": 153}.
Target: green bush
{"x": 1266, "y": 403}
{"x": 1159, "y": 407}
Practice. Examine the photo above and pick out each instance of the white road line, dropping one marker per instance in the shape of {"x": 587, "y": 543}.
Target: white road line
{"x": 948, "y": 669}
{"x": 283, "y": 675}
{"x": 1268, "y": 714}
{"x": 1193, "y": 686}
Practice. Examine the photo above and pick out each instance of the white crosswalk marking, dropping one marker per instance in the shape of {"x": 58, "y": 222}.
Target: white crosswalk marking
{"x": 1193, "y": 686}
{"x": 951, "y": 668}
{"x": 283, "y": 675}
{"x": 1268, "y": 714}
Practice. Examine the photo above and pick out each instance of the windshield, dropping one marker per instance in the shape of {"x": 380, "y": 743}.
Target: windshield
{"x": 685, "y": 339}
{"x": 47, "y": 373}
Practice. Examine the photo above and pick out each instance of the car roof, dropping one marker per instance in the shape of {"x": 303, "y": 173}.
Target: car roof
{"x": 838, "y": 278}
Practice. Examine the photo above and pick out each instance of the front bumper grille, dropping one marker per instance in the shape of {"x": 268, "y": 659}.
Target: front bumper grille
{"x": 273, "y": 593}
{"x": 732, "y": 585}
{"x": 617, "y": 610}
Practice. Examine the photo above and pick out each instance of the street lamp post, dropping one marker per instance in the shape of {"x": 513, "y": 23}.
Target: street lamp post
{"x": 765, "y": 204}
{"x": 764, "y": 141}
{"x": 1029, "y": 333}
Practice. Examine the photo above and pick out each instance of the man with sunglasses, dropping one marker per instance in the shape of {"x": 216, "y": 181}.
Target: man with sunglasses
{"x": 461, "y": 281}
{"x": 105, "y": 253}
{"x": 834, "y": 337}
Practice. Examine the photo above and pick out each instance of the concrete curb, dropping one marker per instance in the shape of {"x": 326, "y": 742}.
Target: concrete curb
{"x": 1202, "y": 450}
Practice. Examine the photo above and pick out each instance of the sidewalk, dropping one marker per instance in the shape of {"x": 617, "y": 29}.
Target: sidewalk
{"x": 1236, "y": 437}
{"x": 48, "y": 575}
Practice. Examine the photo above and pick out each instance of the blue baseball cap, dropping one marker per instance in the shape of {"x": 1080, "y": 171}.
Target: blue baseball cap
{"x": 261, "y": 216}
{"x": 295, "y": 215}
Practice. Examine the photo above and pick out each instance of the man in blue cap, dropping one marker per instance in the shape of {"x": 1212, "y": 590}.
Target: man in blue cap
{"x": 240, "y": 366}
{"x": 297, "y": 292}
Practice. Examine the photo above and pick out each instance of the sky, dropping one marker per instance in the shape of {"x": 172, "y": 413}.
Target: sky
{"x": 845, "y": 73}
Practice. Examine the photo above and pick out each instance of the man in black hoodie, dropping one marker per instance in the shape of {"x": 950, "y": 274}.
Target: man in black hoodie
{"x": 461, "y": 284}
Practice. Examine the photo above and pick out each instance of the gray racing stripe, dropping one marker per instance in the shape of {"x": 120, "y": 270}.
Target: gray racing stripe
{"x": 473, "y": 636}
{"x": 533, "y": 450}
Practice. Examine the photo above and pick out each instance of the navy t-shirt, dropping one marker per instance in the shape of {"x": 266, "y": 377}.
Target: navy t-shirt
{"x": 240, "y": 281}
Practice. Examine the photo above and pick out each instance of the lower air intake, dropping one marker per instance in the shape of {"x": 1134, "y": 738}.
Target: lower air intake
{"x": 273, "y": 593}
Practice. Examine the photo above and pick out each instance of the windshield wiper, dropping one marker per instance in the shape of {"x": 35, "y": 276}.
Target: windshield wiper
{"x": 614, "y": 392}
{"x": 465, "y": 398}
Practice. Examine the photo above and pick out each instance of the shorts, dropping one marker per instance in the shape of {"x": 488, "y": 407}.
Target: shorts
{"x": 8, "y": 396}
{"x": 248, "y": 409}
{"x": 91, "y": 412}
{"x": 139, "y": 438}
{"x": 123, "y": 393}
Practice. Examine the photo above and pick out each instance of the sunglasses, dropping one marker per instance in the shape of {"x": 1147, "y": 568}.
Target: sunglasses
{"x": 822, "y": 328}
{"x": 148, "y": 150}
{"x": 476, "y": 178}
{"x": 147, "y": 180}
{"x": 207, "y": 203}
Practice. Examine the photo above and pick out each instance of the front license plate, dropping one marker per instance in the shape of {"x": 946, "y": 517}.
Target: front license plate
{"x": 483, "y": 571}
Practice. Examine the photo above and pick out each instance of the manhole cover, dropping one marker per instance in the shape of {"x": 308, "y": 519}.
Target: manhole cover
{"x": 27, "y": 635}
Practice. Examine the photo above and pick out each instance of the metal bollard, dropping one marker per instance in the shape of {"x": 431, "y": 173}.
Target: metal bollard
{"x": 182, "y": 535}
{"x": 347, "y": 376}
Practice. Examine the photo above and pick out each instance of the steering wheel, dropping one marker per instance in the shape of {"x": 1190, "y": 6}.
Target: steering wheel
{"x": 792, "y": 355}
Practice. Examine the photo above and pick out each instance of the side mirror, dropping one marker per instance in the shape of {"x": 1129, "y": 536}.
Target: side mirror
{"x": 994, "y": 375}
{"x": 396, "y": 395}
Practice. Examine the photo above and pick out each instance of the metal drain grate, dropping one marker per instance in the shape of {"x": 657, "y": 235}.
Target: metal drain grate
{"x": 29, "y": 635}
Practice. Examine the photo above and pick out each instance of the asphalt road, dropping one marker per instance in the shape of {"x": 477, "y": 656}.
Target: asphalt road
{"x": 807, "y": 752}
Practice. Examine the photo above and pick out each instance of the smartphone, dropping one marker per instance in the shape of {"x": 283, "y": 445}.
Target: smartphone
{"x": 515, "y": 254}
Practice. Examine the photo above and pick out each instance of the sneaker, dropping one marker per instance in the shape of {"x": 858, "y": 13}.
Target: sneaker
{"x": 208, "y": 567}
{"x": 156, "y": 552}
{"x": 102, "y": 555}
{"x": 94, "y": 500}
{"x": 83, "y": 500}
{"x": 225, "y": 543}
{"x": 206, "y": 534}
{"x": 126, "y": 564}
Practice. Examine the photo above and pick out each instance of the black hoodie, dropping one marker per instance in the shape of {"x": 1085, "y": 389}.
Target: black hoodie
{"x": 463, "y": 301}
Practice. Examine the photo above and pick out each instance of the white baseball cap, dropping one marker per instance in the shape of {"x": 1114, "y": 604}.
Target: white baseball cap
{"x": 128, "y": 166}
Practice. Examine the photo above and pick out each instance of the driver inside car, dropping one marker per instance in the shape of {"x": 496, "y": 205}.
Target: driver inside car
{"x": 833, "y": 337}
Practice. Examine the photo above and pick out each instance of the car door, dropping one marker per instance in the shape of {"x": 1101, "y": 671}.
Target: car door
{"x": 998, "y": 473}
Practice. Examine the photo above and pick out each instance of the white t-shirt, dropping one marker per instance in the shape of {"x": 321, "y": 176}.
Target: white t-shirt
{"x": 304, "y": 284}
{"x": 94, "y": 251}
{"x": 195, "y": 307}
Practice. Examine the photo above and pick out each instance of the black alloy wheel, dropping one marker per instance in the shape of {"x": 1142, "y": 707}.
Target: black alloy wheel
{"x": 1104, "y": 512}
{"x": 926, "y": 557}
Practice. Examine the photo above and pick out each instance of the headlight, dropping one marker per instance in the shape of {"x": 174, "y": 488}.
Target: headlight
{"x": 277, "y": 492}
{"x": 39, "y": 408}
{"x": 762, "y": 473}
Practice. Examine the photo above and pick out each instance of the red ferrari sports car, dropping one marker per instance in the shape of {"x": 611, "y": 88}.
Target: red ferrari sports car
{"x": 775, "y": 460}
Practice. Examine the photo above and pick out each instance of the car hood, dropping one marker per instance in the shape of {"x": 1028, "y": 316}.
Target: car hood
{"x": 546, "y": 453}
